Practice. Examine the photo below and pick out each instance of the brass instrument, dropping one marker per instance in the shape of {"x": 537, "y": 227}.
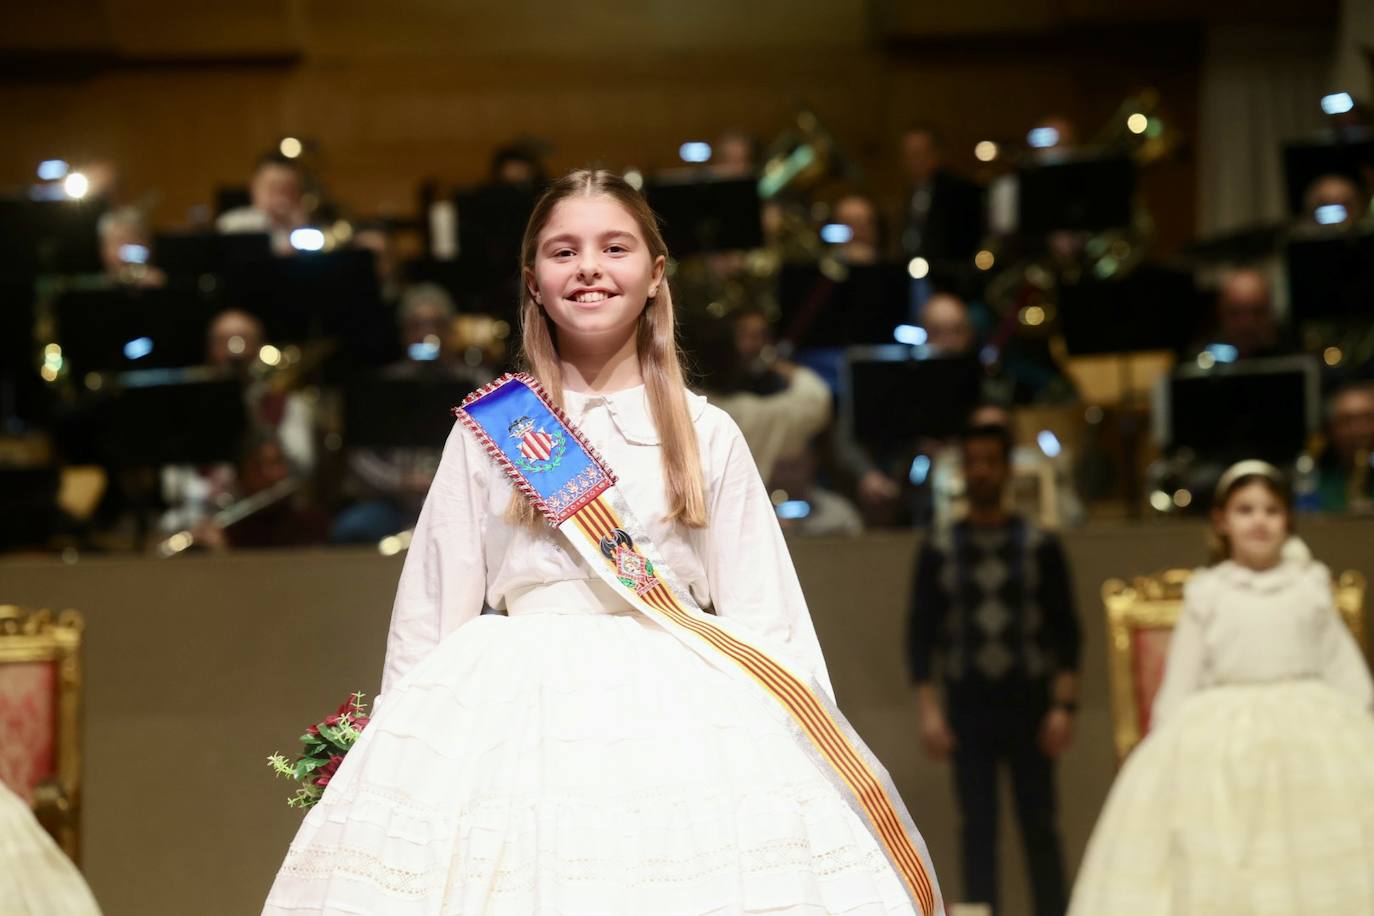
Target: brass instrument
{"x": 182, "y": 541}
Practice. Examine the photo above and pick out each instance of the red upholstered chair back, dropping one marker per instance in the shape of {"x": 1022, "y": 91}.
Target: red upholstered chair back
{"x": 28, "y": 725}
{"x": 40, "y": 715}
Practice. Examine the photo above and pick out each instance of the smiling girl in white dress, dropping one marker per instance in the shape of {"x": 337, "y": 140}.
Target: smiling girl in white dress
{"x": 1254, "y": 791}
{"x": 581, "y": 755}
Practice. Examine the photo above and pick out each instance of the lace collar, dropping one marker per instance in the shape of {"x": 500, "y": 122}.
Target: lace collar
{"x": 1267, "y": 580}
{"x": 629, "y": 410}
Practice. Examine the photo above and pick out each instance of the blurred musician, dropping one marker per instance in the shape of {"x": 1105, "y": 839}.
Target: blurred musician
{"x": 277, "y": 192}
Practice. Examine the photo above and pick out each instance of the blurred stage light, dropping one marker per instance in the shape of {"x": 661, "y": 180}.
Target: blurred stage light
{"x": 984, "y": 260}
{"x": 1183, "y": 499}
{"x": 138, "y": 348}
{"x": 909, "y": 334}
{"x": 985, "y": 151}
{"x": 1330, "y": 214}
{"x": 634, "y": 178}
{"x": 1137, "y": 123}
{"x": 695, "y": 151}
{"x": 1337, "y": 103}
{"x": 1032, "y": 316}
{"x": 291, "y": 147}
{"x": 794, "y": 509}
{"x": 1049, "y": 443}
{"x": 76, "y": 185}
{"x": 1161, "y": 501}
{"x": 424, "y": 351}
{"x": 836, "y": 233}
{"x": 918, "y": 268}
{"x": 269, "y": 355}
{"x": 133, "y": 254}
{"x": 308, "y": 239}
{"x": 1332, "y": 356}
{"x": 1223, "y": 353}
{"x": 52, "y": 169}
{"x": 920, "y": 469}
{"x": 1042, "y": 137}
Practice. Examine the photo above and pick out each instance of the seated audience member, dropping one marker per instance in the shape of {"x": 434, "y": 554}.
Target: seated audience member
{"x": 283, "y": 522}
{"x": 735, "y": 155}
{"x": 948, "y": 327}
{"x": 775, "y": 424}
{"x": 949, "y": 332}
{"x": 233, "y": 344}
{"x": 1245, "y": 316}
{"x": 754, "y": 352}
{"x": 388, "y": 486}
{"x": 516, "y": 166}
{"x": 860, "y": 215}
{"x": 1330, "y": 192}
{"x": 1345, "y": 476}
{"x": 126, "y": 249}
{"x": 942, "y": 213}
{"x": 277, "y": 192}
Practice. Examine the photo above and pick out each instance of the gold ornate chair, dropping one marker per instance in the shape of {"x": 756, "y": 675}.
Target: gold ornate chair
{"x": 1140, "y": 620}
{"x": 40, "y": 717}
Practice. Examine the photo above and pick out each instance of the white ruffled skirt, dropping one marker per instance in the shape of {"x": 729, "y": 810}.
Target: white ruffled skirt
{"x": 579, "y": 762}
{"x": 36, "y": 877}
{"x": 1255, "y": 800}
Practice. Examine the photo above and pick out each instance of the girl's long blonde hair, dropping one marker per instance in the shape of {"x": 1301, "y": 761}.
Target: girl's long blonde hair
{"x": 655, "y": 342}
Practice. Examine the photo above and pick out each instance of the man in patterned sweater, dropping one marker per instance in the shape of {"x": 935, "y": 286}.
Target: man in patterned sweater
{"x": 992, "y": 604}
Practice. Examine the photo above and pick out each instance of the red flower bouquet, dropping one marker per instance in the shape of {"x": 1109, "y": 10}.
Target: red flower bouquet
{"x": 326, "y": 743}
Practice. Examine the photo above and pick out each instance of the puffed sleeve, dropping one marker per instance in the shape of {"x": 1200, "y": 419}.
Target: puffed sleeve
{"x": 752, "y": 579}
{"x": 443, "y": 581}
{"x": 1184, "y": 667}
{"x": 1338, "y": 655}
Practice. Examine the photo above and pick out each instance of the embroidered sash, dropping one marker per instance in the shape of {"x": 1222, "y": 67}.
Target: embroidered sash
{"x": 549, "y": 461}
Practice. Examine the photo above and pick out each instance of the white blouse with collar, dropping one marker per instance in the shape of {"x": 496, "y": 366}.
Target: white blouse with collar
{"x": 463, "y": 550}
{"x": 1241, "y": 626}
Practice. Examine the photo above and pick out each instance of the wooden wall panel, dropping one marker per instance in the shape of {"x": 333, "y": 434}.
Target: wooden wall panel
{"x": 392, "y": 97}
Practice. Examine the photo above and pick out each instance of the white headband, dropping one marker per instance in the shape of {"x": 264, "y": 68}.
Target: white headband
{"x": 1249, "y": 468}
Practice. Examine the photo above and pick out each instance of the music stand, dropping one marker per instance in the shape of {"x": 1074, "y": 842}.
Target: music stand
{"x": 1090, "y": 194}
{"x": 1151, "y": 308}
{"x": 1258, "y": 408}
{"x": 119, "y": 329}
{"x": 491, "y": 227}
{"x": 195, "y": 253}
{"x": 383, "y": 411}
{"x": 157, "y": 417}
{"x": 314, "y": 296}
{"x": 864, "y": 308}
{"x": 1331, "y": 278}
{"x": 50, "y": 236}
{"x": 890, "y": 397}
{"x": 703, "y": 215}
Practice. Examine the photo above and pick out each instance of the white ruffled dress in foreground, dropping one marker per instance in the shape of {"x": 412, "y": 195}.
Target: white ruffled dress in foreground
{"x": 573, "y": 757}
